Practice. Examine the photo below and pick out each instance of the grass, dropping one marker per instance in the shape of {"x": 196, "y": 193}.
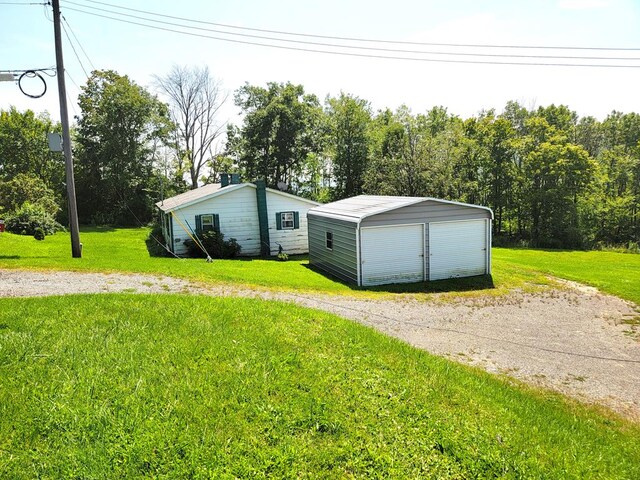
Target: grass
{"x": 169, "y": 386}
{"x": 123, "y": 250}
{"x": 612, "y": 272}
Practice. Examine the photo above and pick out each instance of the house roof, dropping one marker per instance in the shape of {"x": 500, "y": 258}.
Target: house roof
{"x": 355, "y": 209}
{"x": 213, "y": 190}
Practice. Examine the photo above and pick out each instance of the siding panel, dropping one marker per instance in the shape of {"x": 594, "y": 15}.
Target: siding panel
{"x": 293, "y": 241}
{"x": 342, "y": 260}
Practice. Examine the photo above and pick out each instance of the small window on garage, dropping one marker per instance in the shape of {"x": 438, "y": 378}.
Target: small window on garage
{"x": 329, "y": 240}
{"x": 287, "y": 220}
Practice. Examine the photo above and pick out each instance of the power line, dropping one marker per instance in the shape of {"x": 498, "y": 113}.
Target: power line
{"x": 78, "y": 42}
{"x": 74, "y": 50}
{"x": 356, "y": 39}
{"x": 21, "y": 3}
{"x": 352, "y": 54}
{"x": 355, "y": 47}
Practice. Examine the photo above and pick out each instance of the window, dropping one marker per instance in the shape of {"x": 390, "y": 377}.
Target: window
{"x": 287, "y": 220}
{"x": 207, "y": 223}
{"x": 329, "y": 240}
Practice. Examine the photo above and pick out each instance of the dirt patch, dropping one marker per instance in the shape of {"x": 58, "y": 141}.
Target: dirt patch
{"x": 575, "y": 340}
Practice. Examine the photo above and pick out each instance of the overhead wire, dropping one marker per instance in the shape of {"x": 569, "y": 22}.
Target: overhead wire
{"x": 356, "y": 47}
{"x": 64, "y": 29}
{"x": 78, "y": 42}
{"x": 356, "y": 39}
{"x": 354, "y": 54}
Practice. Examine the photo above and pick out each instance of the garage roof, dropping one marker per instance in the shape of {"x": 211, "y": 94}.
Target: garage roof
{"x": 355, "y": 209}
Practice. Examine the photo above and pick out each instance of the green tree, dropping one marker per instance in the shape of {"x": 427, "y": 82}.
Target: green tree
{"x": 349, "y": 120}
{"x": 24, "y": 148}
{"x": 117, "y": 131}
{"x": 27, "y": 188}
{"x": 280, "y": 129}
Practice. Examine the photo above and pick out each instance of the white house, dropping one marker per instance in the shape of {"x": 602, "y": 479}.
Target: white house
{"x": 259, "y": 218}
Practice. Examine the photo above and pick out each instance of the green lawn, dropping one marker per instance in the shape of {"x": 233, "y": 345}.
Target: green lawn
{"x": 124, "y": 250}
{"x": 126, "y": 386}
{"x": 615, "y": 273}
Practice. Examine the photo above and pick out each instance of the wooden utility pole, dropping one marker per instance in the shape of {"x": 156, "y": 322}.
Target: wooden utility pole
{"x": 76, "y": 247}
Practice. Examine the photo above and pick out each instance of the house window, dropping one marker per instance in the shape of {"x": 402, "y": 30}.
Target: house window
{"x": 287, "y": 220}
{"x": 329, "y": 240}
{"x": 207, "y": 223}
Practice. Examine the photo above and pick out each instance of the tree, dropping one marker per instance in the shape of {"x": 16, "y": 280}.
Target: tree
{"x": 119, "y": 126}
{"x": 281, "y": 127}
{"x": 27, "y": 188}
{"x": 195, "y": 99}
{"x": 349, "y": 120}
{"x": 24, "y": 147}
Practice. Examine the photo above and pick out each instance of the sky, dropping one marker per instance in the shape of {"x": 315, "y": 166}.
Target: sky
{"x": 26, "y": 41}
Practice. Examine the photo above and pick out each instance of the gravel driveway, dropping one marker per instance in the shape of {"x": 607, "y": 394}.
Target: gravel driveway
{"x": 574, "y": 340}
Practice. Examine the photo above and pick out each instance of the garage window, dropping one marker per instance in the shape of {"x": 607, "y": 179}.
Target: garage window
{"x": 329, "y": 240}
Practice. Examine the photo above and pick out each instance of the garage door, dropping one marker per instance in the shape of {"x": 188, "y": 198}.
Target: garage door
{"x": 457, "y": 249}
{"x": 392, "y": 254}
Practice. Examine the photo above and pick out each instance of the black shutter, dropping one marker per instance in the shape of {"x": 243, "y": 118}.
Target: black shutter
{"x": 198, "y": 225}
{"x": 279, "y": 221}
{"x": 296, "y": 220}
{"x": 216, "y": 222}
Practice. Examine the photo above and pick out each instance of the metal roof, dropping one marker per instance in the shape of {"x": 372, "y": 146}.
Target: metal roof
{"x": 355, "y": 209}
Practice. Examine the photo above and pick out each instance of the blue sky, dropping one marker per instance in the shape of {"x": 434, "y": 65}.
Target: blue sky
{"x": 26, "y": 41}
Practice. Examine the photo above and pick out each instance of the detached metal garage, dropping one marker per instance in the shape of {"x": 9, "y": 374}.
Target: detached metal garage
{"x": 376, "y": 240}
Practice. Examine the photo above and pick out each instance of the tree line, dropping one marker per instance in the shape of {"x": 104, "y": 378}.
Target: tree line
{"x": 552, "y": 178}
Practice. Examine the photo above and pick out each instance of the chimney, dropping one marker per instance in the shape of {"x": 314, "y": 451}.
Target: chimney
{"x": 224, "y": 179}
{"x": 263, "y": 217}
{"x": 235, "y": 178}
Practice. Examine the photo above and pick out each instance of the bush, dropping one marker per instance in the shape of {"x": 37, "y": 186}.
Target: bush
{"x": 29, "y": 217}
{"x": 215, "y": 245}
{"x": 155, "y": 242}
{"x": 39, "y": 234}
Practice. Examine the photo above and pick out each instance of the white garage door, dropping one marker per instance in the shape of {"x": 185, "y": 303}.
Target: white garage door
{"x": 457, "y": 249}
{"x": 392, "y": 254}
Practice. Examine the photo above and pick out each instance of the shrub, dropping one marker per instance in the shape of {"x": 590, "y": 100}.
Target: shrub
{"x": 29, "y": 217}
{"x": 155, "y": 242}
{"x": 38, "y": 234}
{"x": 216, "y": 246}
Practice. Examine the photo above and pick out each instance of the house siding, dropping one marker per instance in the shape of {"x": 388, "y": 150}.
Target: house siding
{"x": 293, "y": 241}
{"x": 342, "y": 261}
{"x": 238, "y": 214}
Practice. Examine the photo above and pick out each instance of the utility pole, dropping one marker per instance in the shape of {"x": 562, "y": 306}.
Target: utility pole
{"x": 76, "y": 247}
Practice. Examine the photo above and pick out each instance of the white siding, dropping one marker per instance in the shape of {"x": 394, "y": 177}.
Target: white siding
{"x": 238, "y": 215}
{"x": 293, "y": 241}
{"x": 458, "y": 249}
